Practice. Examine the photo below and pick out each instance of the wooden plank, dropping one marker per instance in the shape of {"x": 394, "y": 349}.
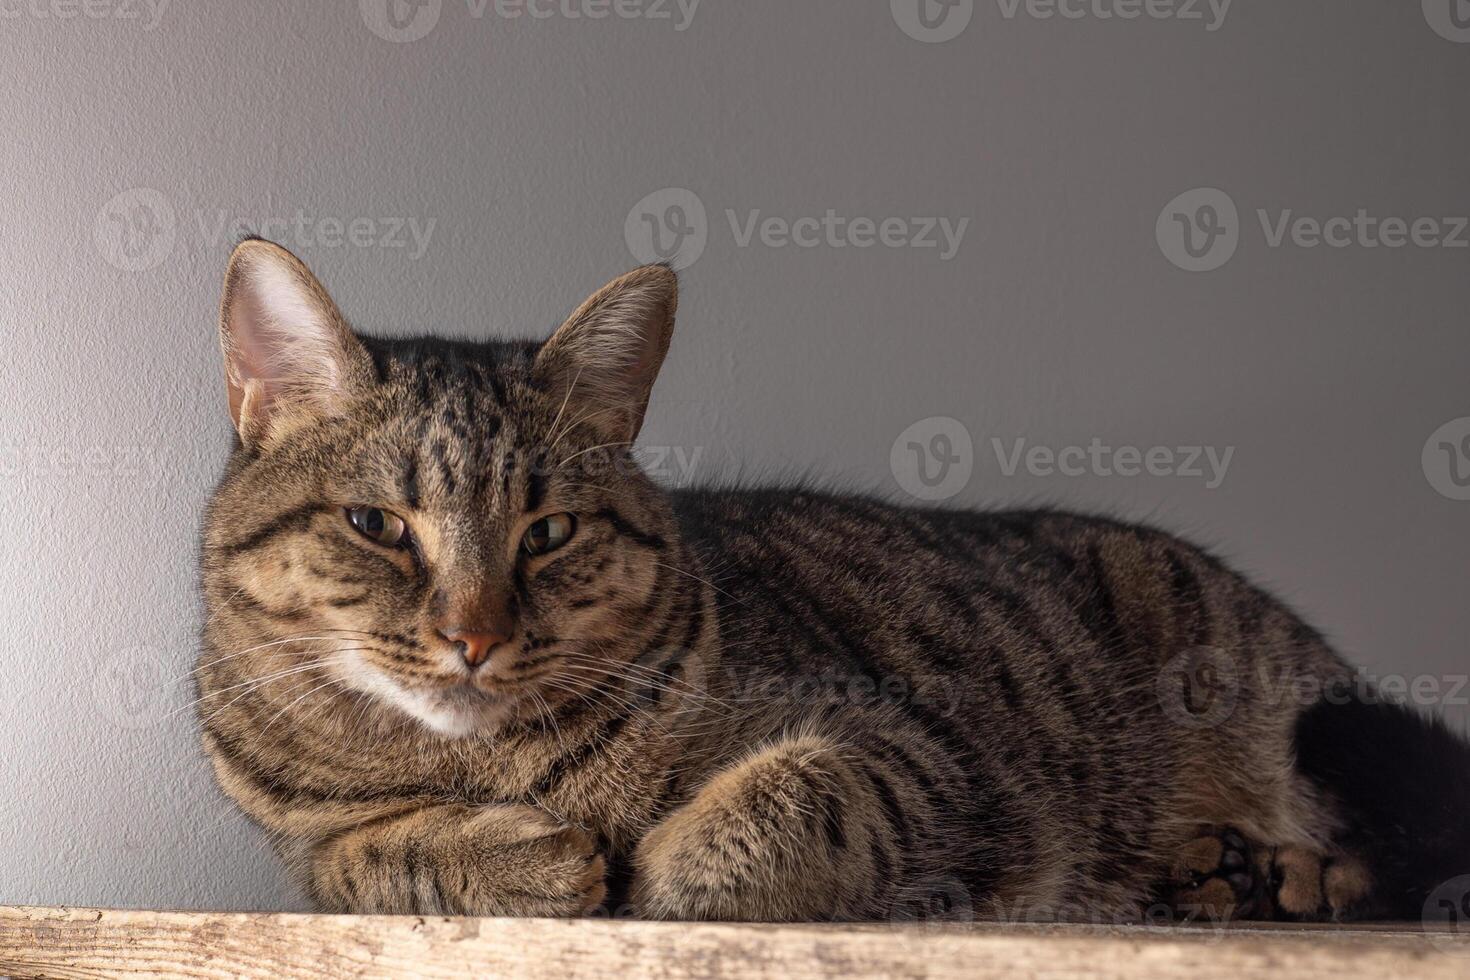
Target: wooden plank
{"x": 61, "y": 942}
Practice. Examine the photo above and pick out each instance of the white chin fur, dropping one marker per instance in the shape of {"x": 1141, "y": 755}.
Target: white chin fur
{"x": 451, "y": 713}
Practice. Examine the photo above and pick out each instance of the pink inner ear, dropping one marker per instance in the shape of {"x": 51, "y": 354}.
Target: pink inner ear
{"x": 282, "y": 333}
{"x": 248, "y": 352}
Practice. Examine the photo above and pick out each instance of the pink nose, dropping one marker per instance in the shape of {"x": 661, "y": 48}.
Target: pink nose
{"x": 474, "y": 646}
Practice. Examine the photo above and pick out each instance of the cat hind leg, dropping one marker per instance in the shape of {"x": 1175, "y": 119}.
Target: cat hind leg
{"x": 1221, "y": 876}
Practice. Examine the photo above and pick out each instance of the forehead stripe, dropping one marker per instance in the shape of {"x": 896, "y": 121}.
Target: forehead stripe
{"x": 535, "y": 487}
{"x": 298, "y": 519}
{"x": 408, "y": 484}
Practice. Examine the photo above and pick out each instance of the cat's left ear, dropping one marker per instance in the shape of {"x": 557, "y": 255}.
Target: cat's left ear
{"x": 289, "y": 354}
{"x": 601, "y": 364}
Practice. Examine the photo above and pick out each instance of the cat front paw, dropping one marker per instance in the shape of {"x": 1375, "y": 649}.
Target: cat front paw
{"x": 461, "y": 860}
{"x": 537, "y": 865}
{"x": 759, "y": 842}
{"x": 574, "y": 880}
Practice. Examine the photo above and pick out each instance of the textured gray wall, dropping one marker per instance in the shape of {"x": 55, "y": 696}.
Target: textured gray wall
{"x": 136, "y": 136}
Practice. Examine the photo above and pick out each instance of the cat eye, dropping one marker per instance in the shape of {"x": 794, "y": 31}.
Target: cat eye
{"x": 379, "y": 525}
{"x": 548, "y": 534}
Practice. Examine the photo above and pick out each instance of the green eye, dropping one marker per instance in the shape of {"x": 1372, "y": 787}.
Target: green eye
{"x": 386, "y": 529}
{"x": 548, "y": 534}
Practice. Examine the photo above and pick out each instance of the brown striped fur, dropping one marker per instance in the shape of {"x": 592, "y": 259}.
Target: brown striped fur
{"x": 746, "y": 704}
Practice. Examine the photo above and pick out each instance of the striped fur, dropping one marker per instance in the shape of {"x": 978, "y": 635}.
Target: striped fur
{"x": 747, "y": 704}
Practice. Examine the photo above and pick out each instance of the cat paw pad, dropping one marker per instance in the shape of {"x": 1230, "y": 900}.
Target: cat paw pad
{"x": 1214, "y": 877}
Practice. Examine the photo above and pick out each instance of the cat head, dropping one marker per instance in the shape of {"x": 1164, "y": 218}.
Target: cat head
{"x": 450, "y": 530}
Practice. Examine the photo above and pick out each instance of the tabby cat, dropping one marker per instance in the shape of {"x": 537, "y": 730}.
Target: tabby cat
{"x": 462, "y": 656}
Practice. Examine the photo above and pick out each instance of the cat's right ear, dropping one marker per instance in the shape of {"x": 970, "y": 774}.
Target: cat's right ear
{"x": 601, "y": 363}
{"x": 287, "y": 349}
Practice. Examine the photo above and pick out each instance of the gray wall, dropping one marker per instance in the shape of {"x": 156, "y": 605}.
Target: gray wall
{"x": 519, "y": 147}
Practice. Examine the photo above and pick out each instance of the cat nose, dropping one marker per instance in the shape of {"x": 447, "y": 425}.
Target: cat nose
{"x": 474, "y": 645}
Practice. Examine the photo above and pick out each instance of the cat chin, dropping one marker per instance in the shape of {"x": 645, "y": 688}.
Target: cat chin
{"x": 456, "y": 712}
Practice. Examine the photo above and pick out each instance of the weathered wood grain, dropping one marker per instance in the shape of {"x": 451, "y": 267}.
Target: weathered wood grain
{"x": 53, "y": 942}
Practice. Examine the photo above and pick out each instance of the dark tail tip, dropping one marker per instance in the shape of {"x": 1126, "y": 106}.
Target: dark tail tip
{"x": 1403, "y": 780}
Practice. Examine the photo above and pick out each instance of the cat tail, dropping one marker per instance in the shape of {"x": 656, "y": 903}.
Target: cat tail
{"x": 1402, "y": 780}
